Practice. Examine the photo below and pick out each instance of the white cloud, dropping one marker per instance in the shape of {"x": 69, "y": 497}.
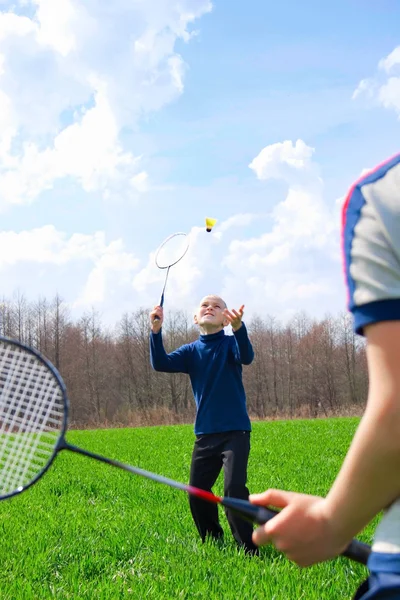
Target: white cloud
{"x": 58, "y": 19}
{"x": 140, "y": 181}
{"x": 47, "y": 245}
{"x": 294, "y": 263}
{"x": 85, "y": 269}
{"x": 88, "y": 151}
{"x": 113, "y": 266}
{"x": 72, "y": 77}
{"x": 75, "y": 80}
{"x": 240, "y": 220}
{"x": 367, "y": 87}
{"x": 389, "y": 94}
{"x": 288, "y": 265}
{"x": 277, "y": 161}
{"x": 392, "y": 60}
{"x": 382, "y": 88}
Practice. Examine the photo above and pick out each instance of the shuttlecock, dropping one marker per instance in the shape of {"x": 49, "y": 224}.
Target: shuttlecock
{"x": 210, "y": 224}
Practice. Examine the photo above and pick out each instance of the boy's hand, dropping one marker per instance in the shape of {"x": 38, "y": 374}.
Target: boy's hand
{"x": 234, "y": 317}
{"x": 304, "y": 529}
{"x": 156, "y": 323}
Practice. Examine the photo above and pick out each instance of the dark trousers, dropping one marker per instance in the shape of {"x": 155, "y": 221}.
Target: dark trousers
{"x": 212, "y": 452}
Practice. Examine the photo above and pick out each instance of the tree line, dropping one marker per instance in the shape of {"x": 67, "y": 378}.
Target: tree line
{"x": 303, "y": 368}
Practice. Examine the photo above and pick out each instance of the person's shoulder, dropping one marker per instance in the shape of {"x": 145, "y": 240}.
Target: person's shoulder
{"x": 378, "y": 172}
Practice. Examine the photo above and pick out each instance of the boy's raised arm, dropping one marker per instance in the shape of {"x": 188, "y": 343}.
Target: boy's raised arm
{"x": 243, "y": 344}
{"x": 245, "y": 352}
{"x": 156, "y": 319}
{"x": 175, "y": 362}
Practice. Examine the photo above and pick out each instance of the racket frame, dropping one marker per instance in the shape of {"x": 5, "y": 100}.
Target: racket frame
{"x": 163, "y": 244}
{"x": 60, "y": 442}
{"x": 156, "y": 318}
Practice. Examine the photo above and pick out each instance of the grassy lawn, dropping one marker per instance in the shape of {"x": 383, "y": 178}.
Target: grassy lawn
{"x": 89, "y": 531}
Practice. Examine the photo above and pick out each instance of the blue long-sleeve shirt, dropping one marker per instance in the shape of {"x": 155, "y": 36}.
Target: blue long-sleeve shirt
{"x": 214, "y": 365}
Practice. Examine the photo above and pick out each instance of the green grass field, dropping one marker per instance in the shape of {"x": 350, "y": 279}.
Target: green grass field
{"x": 89, "y": 531}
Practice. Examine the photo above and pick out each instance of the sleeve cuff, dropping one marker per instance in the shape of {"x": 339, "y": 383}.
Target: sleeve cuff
{"x": 375, "y": 312}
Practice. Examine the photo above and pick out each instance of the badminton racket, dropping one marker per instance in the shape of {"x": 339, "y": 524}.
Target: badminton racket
{"x": 169, "y": 253}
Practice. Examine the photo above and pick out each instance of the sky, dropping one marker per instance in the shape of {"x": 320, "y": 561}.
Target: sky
{"x": 123, "y": 122}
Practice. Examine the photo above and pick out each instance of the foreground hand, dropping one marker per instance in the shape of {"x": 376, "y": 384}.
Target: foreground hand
{"x": 303, "y": 530}
{"x": 156, "y": 319}
{"x": 234, "y": 317}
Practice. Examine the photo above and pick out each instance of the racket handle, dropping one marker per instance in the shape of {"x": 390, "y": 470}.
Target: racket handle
{"x": 156, "y": 318}
{"x": 250, "y": 512}
{"x": 356, "y": 550}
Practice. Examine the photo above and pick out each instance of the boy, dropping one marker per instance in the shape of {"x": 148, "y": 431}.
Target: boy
{"x": 311, "y": 529}
{"x": 222, "y": 427}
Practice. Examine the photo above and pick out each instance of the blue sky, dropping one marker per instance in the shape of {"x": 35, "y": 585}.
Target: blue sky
{"x": 121, "y": 123}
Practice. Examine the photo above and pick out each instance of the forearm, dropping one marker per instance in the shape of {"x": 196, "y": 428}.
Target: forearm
{"x": 369, "y": 479}
{"x": 158, "y": 356}
{"x": 161, "y": 361}
{"x": 245, "y": 349}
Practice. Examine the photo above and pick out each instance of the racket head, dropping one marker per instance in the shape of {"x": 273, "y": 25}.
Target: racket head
{"x": 172, "y": 250}
{"x": 33, "y": 416}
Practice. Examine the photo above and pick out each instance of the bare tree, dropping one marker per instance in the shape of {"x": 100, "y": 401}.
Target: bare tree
{"x": 303, "y": 368}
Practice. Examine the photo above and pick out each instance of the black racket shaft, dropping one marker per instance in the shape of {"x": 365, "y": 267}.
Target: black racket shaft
{"x": 156, "y": 318}
{"x": 356, "y": 551}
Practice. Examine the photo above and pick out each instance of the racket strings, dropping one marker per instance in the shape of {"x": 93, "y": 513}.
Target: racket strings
{"x": 31, "y": 416}
{"x": 172, "y": 250}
